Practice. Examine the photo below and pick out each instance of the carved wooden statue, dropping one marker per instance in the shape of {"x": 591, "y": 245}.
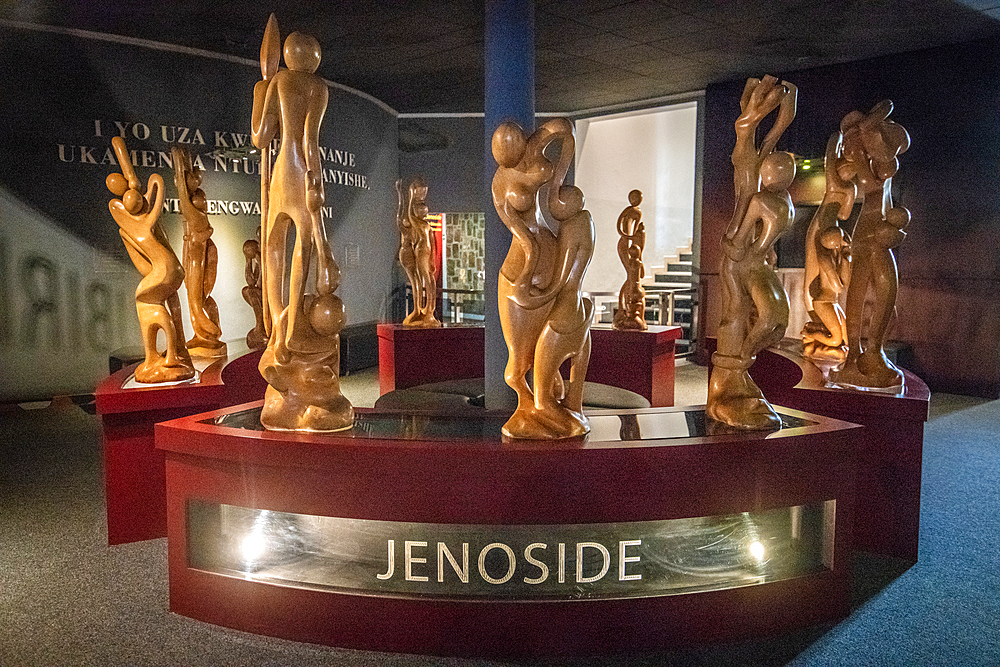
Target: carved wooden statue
{"x": 754, "y": 305}
{"x": 253, "y": 294}
{"x": 631, "y": 313}
{"x": 302, "y": 360}
{"x": 544, "y": 317}
{"x": 416, "y": 252}
{"x": 828, "y": 264}
{"x": 872, "y": 143}
{"x": 201, "y": 258}
{"x": 156, "y": 302}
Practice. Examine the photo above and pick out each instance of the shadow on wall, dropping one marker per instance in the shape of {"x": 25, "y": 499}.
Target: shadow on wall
{"x": 63, "y": 306}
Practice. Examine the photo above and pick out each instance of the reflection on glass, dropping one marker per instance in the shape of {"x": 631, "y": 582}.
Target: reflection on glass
{"x": 655, "y": 425}
{"x": 615, "y": 560}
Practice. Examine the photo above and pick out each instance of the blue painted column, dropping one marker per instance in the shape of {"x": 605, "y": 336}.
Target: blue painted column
{"x": 509, "y": 95}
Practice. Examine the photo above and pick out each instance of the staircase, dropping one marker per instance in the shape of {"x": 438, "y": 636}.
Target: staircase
{"x": 672, "y": 297}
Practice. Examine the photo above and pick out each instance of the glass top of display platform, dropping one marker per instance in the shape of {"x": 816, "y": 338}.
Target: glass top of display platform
{"x": 606, "y": 426}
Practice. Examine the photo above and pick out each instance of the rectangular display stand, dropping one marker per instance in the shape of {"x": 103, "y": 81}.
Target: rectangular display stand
{"x": 133, "y": 467}
{"x": 410, "y": 356}
{"x": 640, "y": 361}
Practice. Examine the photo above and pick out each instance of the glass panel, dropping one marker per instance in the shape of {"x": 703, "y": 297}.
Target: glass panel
{"x": 604, "y": 427}
{"x": 612, "y": 560}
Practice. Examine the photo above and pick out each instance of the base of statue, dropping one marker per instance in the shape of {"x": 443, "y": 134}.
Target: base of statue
{"x": 133, "y": 467}
{"x": 416, "y": 532}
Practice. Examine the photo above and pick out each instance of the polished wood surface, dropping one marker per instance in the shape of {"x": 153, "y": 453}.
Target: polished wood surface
{"x": 200, "y": 256}
{"x": 828, "y": 262}
{"x": 631, "y": 314}
{"x": 544, "y": 317}
{"x": 416, "y": 252}
{"x": 138, "y": 216}
{"x": 302, "y": 358}
{"x": 754, "y": 304}
{"x": 872, "y": 143}
{"x": 253, "y": 293}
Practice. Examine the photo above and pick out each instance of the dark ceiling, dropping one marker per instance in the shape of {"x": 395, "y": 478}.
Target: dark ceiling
{"x": 424, "y": 56}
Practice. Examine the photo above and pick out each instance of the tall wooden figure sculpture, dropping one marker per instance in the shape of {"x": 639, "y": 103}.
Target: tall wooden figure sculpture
{"x": 416, "y": 252}
{"x": 302, "y": 360}
{"x": 632, "y": 239}
{"x": 754, "y": 305}
{"x": 201, "y": 258}
{"x": 544, "y": 317}
{"x": 828, "y": 263}
{"x": 872, "y": 143}
{"x": 156, "y": 301}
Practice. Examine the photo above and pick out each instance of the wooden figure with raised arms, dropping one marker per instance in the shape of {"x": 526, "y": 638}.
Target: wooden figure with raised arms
{"x": 754, "y": 304}
{"x": 156, "y": 301}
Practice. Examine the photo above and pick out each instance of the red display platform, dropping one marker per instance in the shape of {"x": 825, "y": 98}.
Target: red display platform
{"x": 133, "y": 467}
{"x": 410, "y": 356}
{"x": 890, "y": 453}
{"x": 640, "y": 361}
{"x": 417, "y": 476}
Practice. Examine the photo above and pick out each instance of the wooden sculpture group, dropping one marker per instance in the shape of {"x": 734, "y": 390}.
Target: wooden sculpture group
{"x": 416, "y": 252}
{"x": 543, "y": 314}
{"x": 137, "y": 213}
{"x": 861, "y": 159}
{"x": 754, "y": 305}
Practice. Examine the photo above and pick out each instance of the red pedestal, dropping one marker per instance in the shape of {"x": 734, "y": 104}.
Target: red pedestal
{"x": 889, "y": 455}
{"x": 409, "y": 356}
{"x": 133, "y": 467}
{"x": 423, "y": 470}
{"x": 640, "y": 361}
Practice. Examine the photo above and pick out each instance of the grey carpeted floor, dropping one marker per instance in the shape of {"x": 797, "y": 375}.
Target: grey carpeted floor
{"x": 66, "y": 598}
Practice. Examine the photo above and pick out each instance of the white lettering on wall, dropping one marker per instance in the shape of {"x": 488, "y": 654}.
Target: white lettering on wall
{"x": 231, "y": 154}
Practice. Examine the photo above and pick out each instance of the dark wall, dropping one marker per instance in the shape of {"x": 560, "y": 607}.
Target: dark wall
{"x": 949, "y": 100}
{"x": 449, "y": 153}
{"x": 66, "y": 95}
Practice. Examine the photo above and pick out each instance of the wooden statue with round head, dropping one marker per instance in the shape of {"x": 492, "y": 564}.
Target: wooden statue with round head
{"x": 872, "y": 144}
{"x": 302, "y": 360}
{"x": 201, "y": 258}
{"x": 631, "y": 313}
{"x": 545, "y": 318}
{"x": 416, "y": 252}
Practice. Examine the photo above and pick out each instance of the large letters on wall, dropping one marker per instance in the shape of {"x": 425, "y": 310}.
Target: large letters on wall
{"x": 65, "y": 283}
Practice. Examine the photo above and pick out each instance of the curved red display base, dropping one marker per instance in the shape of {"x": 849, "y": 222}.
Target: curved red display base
{"x": 133, "y": 468}
{"x": 887, "y": 507}
{"x": 483, "y": 481}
